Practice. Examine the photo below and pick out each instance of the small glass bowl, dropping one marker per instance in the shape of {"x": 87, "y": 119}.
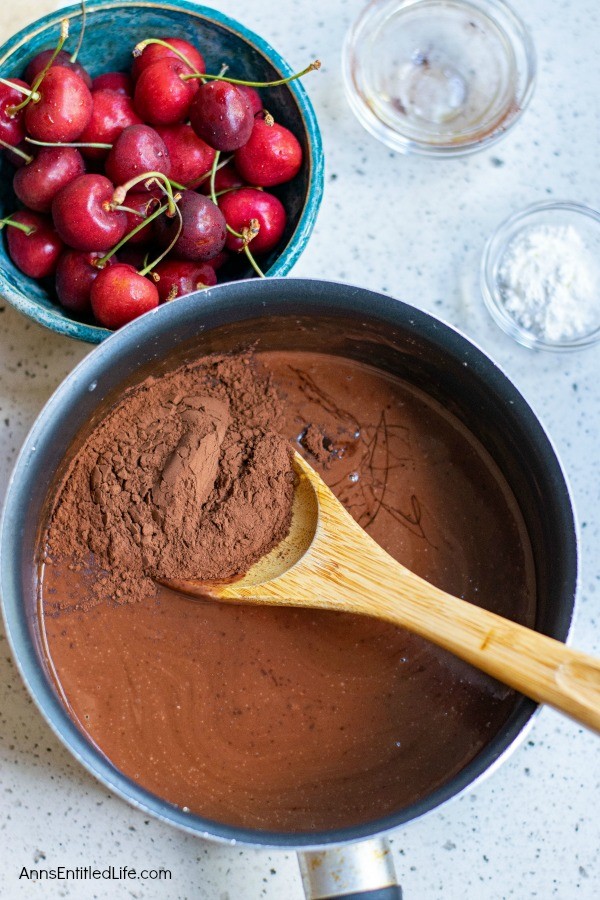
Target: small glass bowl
{"x": 563, "y": 213}
{"x": 438, "y": 77}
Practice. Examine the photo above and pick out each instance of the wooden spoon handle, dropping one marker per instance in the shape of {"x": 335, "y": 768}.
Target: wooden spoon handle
{"x": 539, "y": 666}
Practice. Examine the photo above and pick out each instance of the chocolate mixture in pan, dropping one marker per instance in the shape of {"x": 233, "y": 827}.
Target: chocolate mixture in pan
{"x": 279, "y": 719}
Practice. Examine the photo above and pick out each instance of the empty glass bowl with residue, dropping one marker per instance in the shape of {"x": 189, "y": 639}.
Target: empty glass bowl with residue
{"x": 438, "y": 77}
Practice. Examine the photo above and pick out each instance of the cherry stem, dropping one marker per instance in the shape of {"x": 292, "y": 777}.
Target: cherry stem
{"x": 147, "y": 177}
{"x": 246, "y": 236}
{"x": 250, "y": 232}
{"x": 148, "y": 268}
{"x": 127, "y": 209}
{"x": 194, "y": 184}
{"x": 28, "y": 229}
{"x": 100, "y": 263}
{"x": 226, "y": 191}
{"x": 68, "y": 144}
{"x": 19, "y": 88}
{"x": 81, "y": 33}
{"x": 17, "y": 151}
{"x": 253, "y": 262}
{"x": 64, "y": 34}
{"x": 139, "y": 49}
{"x": 257, "y": 84}
{"x": 213, "y": 172}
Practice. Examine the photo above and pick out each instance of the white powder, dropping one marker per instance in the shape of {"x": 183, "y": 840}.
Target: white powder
{"x": 549, "y": 282}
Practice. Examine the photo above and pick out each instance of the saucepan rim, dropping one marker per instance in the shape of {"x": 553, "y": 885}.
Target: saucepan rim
{"x": 241, "y": 301}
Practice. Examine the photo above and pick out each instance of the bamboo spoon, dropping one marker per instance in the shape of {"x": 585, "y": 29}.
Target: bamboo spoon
{"x": 328, "y": 562}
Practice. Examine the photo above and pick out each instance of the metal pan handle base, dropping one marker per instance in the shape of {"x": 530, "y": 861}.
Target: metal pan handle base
{"x": 362, "y": 871}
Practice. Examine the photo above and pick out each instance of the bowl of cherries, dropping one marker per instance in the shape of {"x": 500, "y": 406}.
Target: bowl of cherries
{"x": 147, "y": 151}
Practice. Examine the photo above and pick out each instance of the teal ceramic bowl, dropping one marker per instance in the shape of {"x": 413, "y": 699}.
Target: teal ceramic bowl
{"x": 113, "y": 29}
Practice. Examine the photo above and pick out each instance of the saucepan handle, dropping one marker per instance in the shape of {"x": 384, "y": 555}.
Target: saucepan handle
{"x": 362, "y": 871}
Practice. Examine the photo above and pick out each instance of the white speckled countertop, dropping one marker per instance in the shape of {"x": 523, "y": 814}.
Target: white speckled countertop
{"x": 415, "y": 229}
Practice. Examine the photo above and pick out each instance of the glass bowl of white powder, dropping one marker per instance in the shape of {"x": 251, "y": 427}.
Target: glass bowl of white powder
{"x": 540, "y": 276}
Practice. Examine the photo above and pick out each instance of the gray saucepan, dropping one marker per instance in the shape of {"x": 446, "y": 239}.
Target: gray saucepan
{"x": 316, "y": 315}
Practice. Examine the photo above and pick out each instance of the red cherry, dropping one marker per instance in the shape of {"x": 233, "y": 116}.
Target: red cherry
{"x": 75, "y": 275}
{"x": 39, "y": 62}
{"x": 35, "y": 254}
{"x": 271, "y": 156}
{"x": 145, "y": 202}
{"x": 216, "y": 262}
{"x": 226, "y": 178}
{"x": 63, "y": 110}
{"x": 111, "y": 113}
{"x": 82, "y": 215}
{"x": 138, "y": 149}
{"x": 221, "y": 115}
{"x": 37, "y": 183}
{"x": 154, "y": 52}
{"x": 239, "y": 207}
{"x": 16, "y": 159}
{"x": 190, "y": 156}
{"x": 203, "y": 233}
{"x": 12, "y": 127}
{"x": 178, "y": 278}
{"x": 120, "y": 82}
{"x": 120, "y": 294}
{"x": 161, "y": 96}
{"x": 252, "y": 96}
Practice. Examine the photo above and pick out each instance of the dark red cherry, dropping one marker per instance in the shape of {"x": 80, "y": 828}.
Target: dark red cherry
{"x": 216, "y": 262}
{"x": 239, "y": 207}
{"x": 111, "y": 113}
{"x": 138, "y": 149}
{"x": 154, "y": 52}
{"x": 37, "y": 183}
{"x": 16, "y": 159}
{"x": 75, "y": 275}
{"x": 83, "y": 217}
{"x": 190, "y": 156}
{"x": 145, "y": 202}
{"x": 38, "y": 62}
{"x": 271, "y": 156}
{"x": 63, "y": 110}
{"x": 161, "y": 96}
{"x": 226, "y": 178}
{"x": 221, "y": 115}
{"x": 179, "y": 277}
{"x": 12, "y": 125}
{"x": 253, "y": 98}
{"x": 119, "y": 295}
{"x": 35, "y": 254}
{"x": 120, "y": 82}
{"x": 203, "y": 233}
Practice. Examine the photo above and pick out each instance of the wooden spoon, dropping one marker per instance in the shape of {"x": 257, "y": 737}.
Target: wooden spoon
{"x": 329, "y": 562}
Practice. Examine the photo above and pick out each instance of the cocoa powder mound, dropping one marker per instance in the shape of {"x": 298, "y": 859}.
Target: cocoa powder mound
{"x": 315, "y": 442}
{"x": 185, "y": 477}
